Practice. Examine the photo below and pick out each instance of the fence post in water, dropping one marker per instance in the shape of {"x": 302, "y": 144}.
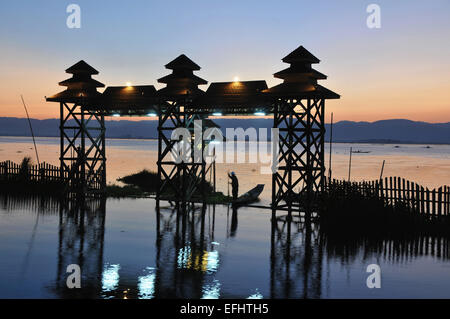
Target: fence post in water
{"x": 386, "y": 190}
{"x": 380, "y": 190}
{"x": 6, "y": 169}
{"x": 41, "y": 173}
{"x": 392, "y": 190}
{"x": 444, "y": 201}
{"x": 408, "y": 195}
{"x": 405, "y": 201}
{"x": 447, "y": 200}
{"x": 422, "y": 200}
{"x": 433, "y": 202}
{"x": 418, "y": 199}
{"x": 439, "y": 202}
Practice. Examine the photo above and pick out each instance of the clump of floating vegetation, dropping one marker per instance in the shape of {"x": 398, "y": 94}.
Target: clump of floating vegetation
{"x": 146, "y": 182}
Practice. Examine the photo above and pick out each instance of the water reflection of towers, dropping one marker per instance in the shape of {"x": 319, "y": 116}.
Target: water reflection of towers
{"x": 295, "y": 259}
{"x": 81, "y": 240}
{"x": 187, "y": 258}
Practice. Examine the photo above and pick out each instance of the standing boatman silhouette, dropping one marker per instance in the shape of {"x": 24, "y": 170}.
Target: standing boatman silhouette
{"x": 234, "y": 185}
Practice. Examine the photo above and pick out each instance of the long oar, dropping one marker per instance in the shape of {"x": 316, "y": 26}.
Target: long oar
{"x": 31, "y": 129}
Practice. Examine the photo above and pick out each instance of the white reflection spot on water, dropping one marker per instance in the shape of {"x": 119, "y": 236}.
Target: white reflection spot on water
{"x": 110, "y": 277}
{"x": 212, "y": 290}
{"x": 256, "y": 295}
{"x": 146, "y": 284}
{"x": 204, "y": 261}
{"x": 183, "y": 257}
{"x": 213, "y": 261}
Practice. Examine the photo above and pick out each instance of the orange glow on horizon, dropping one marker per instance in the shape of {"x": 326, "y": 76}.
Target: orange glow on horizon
{"x": 364, "y": 97}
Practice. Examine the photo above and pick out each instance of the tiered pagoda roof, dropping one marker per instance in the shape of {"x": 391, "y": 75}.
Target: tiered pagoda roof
{"x": 300, "y": 79}
{"x": 182, "y": 81}
{"x": 80, "y": 87}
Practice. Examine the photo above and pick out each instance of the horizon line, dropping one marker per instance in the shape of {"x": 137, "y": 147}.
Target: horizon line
{"x": 144, "y": 118}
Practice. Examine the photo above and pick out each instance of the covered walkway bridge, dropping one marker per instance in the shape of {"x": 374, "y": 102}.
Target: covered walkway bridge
{"x": 297, "y": 106}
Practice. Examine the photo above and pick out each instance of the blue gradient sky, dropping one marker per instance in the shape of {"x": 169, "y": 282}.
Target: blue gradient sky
{"x": 399, "y": 71}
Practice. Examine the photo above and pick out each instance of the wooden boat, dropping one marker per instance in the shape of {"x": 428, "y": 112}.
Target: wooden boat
{"x": 249, "y": 197}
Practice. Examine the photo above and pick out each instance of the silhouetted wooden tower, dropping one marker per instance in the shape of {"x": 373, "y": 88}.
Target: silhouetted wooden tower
{"x": 180, "y": 176}
{"x": 299, "y": 114}
{"x": 82, "y": 131}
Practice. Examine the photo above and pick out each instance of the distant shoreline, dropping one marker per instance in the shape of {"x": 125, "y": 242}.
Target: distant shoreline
{"x": 326, "y": 142}
{"x": 385, "y": 132}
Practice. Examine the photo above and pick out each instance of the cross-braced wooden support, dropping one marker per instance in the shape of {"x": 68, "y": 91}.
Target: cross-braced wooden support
{"x": 181, "y": 176}
{"x": 301, "y": 167}
{"x": 82, "y": 149}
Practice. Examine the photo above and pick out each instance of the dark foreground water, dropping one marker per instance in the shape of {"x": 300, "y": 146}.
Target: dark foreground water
{"x": 212, "y": 252}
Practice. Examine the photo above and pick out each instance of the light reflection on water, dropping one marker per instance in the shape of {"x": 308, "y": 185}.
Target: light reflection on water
{"x": 256, "y": 295}
{"x": 126, "y": 250}
{"x": 205, "y": 261}
{"x": 110, "y": 277}
{"x": 211, "y": 291}
{"x": 146, "y": 285}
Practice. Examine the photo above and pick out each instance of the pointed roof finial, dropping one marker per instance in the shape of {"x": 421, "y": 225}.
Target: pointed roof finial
{"x": 300, "y": 55}
{"x": 81, "y": 67}
{"x": 182, "y": 62}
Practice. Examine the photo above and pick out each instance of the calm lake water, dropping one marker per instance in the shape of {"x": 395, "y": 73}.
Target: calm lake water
{"x": 126, "y": 251}
{"x": 223, "y": 255}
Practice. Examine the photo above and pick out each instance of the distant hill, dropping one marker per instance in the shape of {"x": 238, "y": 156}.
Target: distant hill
{"x": 386, "y": 131}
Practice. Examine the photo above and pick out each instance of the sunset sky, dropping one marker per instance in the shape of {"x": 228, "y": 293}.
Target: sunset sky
{"x": 399, "y": 71}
